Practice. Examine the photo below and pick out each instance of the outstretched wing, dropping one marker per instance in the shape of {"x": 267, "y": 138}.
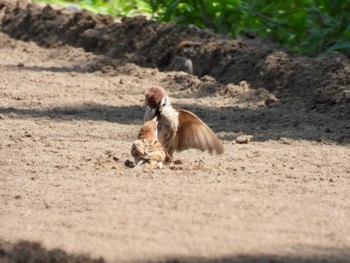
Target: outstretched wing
{"x": 194, "y": 133}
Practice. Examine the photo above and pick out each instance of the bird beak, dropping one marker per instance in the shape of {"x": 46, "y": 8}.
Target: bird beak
{"x": 150, "y": 114}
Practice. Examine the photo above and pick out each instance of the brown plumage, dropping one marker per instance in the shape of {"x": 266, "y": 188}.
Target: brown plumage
{"x": 146, "y": 150}
{"x": 182, "y": 60}
{"x": 154, "y": 95}
{"x": 179, "y": 130}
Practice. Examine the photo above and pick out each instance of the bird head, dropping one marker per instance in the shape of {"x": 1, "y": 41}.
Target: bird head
{"x": 185, "y": 48}
{"x": 156, "y": 99}
{"x": 148, "y": 130}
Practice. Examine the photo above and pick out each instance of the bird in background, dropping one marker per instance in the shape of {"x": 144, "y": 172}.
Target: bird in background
{"x": 182, "y": 60}
{"x": 146, "y": 150}
{"x": 178, "y": 130}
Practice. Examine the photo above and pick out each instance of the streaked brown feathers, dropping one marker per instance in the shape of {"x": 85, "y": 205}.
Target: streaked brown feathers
{"x": 194, "y": 133}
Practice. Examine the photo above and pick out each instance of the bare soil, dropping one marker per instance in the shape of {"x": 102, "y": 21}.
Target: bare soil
{"x": 71, "y": 104}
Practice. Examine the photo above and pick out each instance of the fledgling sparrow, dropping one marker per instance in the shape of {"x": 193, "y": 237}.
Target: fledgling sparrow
{"x": 182, "y": 60}
{"x": 178, "y": 130}
{"x": 146, "y": 150}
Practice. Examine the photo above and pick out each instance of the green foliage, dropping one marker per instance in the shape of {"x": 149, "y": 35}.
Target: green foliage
{"x": 115, "y": 8}
{"x": 306, "y": 26}
{"x": 118, "y": 8}
{"x": 95, "y": 6}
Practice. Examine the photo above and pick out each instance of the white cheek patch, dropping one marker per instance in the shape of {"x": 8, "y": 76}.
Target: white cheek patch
{"x": 165, "y": 101}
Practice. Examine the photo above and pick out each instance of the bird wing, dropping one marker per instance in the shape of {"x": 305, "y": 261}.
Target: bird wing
{"x": 194, "y": 133}
{"x": 179, "y": 64}
{"x": 148, "y": 150}
{"x": 171, "y": 66}
{"x": 155, "y": 151}
{"x": 138, "y": 149}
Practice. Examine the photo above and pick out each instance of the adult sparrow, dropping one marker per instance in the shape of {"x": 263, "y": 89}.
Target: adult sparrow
{"x": 182, "y": 60}
{"x": 178, "y": 130}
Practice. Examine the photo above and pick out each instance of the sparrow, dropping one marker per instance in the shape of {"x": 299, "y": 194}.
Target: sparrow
{"x": 178, "y": 130}
{"x": 146, "y": 150}
{"x": 182, "y": 60}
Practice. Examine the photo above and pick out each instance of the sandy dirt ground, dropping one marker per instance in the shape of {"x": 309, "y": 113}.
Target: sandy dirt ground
{"x": 66, "y": 129}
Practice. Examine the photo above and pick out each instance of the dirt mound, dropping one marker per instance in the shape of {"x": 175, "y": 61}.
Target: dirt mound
{"x": 317, "y": 81}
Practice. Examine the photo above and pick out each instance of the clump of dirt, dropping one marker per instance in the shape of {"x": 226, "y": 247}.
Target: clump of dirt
{"x": 319, "y": 82}
{"x": 252, "y": 97}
